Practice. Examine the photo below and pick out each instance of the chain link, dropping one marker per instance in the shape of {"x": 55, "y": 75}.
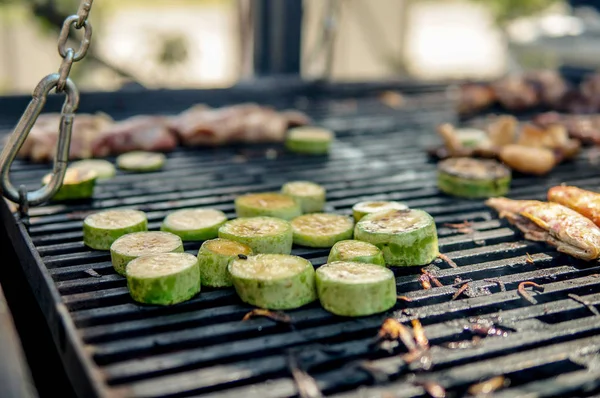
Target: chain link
{"x": 59, "y": 82}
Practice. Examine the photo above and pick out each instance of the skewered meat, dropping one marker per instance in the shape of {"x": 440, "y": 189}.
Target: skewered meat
{"x": 41, "y": 142}
{"x": 146, "y": 133}
{"x": 584, "y": 202}
{"x": 241, "y": 123}
{"x": 567, "y": 230}
{"x": 98, "y": 135}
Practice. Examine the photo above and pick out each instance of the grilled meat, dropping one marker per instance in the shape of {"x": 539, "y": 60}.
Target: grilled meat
{"x": 146, "y": 133}
{"x": 584, "y": 202}
{"x": 515, "y": 93}
{"x": 585, "y": 128}
{"x": 201, "y": 125}
{"x": 40, "y": 145}
{"x": 567, "y": 230}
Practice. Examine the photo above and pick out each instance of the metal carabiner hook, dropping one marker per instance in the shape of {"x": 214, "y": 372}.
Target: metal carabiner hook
{"x": 18, "y": 136}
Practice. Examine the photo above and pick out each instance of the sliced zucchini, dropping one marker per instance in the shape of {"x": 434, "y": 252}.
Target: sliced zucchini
{"x": 321, "y": 229}
{"x": 352, "y": 289}
{"x": 262, "y": 234}
{"x": 270, "y": 204}
{"x": 473, "y": 178}
{"x": 309, "y": 195}
{"x": 105, "y": 169}
{"x": 406, "y": 237}
{"x": 77, "y": 184}
{"x": 163, "y": 279}
{"x": 101, "y": 229}
{"x": 309, "y": 140}
{"x": 361, "y": 209}
{"x": 214, "y": 257}
{"x": 274, "y": 281}
{"x": 194, "y": 224}
{"x": 141, "y": 161}
{"x": 356, "y": 251}
{"x": 138, "y": 244}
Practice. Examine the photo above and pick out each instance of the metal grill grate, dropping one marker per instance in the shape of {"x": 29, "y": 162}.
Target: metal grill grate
{"x": 114, "y": 347}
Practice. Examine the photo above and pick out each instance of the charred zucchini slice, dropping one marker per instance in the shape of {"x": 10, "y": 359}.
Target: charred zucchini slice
{"x": 214, "y": 257}
{"x": 310, "y": 196}
{"x": 141, "y": 161}
{"x": 274, "y": 281}
{"x": 101, "y": 229}
{"x": 309, "y": 140}
{"x": 103, "y": 168}
{"x": 406, "y": 237}
{"x": 194, "y": 224}
{"x": 361, "y": 209}
{"x": 77, "y": 184}
{"x": 353, "y": 289}
{"x": 356, "y": 251}
{"x": 473, "y": 178}
{"x": 321, "y": 229}
{"x": 261, "y": 234}
{"x": 270, "y": 204}
{"x": 137, "y": 244}
{"x": 163, "y": 279}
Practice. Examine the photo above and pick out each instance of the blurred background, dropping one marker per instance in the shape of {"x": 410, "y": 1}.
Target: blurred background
{"x": 206, "y": 43}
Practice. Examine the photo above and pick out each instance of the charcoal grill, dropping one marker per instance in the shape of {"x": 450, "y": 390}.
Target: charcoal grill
{"x": 111, "y": 346}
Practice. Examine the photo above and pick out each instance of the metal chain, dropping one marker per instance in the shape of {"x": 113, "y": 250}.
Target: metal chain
{"x": 60, "y": 82}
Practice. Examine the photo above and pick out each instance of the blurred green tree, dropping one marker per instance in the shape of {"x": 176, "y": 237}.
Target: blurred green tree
{"x": 507, "y": 10}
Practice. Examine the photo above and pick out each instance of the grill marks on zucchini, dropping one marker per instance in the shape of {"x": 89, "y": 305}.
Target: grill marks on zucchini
{"x": 406, "y": 237}
{"x": 473, "y": 178}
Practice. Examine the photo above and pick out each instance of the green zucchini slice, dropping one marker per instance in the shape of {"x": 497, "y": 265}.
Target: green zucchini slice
{"x": 356, "y": 251}
{"x": 214, "y": 257}
{"x": 321, "y": 229}
{"x": 309, "y": 140}
{"x": 274, "y": 281}
{"x": 163, "y": 279}
{"x": 194, "y": 224}
{"x": 137, "y": 244}
{"x": 406, "y": 237}
{"x": 269, "y": 204}
{"x": 141, "y": 161}
{"x": 309, "y": 195}
{"x": 77, "y": 184}
{"x": 473, "y": 178}
{"x": 261, "y": 234}
{"x": 103, "y": 168}
{"x": 353, "y": 289}
{"x": 361, "y": 209}
{"x": 101, "y": 229}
